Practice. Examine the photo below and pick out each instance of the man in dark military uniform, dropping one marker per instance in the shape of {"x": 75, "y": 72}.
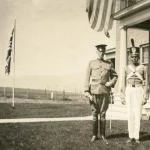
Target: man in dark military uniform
{"x": 100, "y": 77}
{"x": 134, "y": 93}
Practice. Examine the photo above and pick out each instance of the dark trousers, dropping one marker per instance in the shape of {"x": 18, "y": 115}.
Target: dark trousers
{"x": 99, "y": 105}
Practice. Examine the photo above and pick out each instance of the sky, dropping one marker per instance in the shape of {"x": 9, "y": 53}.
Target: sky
{"x": 54, "y": 42}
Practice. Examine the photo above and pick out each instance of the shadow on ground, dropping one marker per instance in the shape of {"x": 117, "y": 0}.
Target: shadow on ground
{"x": 120, "y": 135}
{"x": 144, "y": 136}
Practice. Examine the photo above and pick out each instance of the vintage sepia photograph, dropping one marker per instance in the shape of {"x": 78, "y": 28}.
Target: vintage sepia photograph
{"x": 74, "y": 74}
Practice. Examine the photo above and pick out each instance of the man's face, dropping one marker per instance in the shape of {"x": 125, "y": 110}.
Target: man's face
{"x": 135, "y": 59}
{"x": 100, "y": 53}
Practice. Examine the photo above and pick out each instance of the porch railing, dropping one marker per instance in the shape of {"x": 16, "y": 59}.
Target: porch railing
{"x": 127, "y": 3}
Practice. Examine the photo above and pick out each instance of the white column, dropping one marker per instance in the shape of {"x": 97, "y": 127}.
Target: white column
{"x": 123, "y": 53}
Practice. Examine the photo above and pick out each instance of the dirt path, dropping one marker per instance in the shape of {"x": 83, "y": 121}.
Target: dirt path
{"x": 26, "y": 120}
{"x": 30, "y": 120}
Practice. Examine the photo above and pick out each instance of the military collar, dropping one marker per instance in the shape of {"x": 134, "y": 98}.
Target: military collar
{"x": 101, "y": 60}
{"x": 134, "y": 65}
{"x": 104, "y": 61}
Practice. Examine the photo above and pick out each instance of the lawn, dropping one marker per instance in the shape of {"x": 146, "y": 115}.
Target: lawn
{"x": 42, "y": 110}
{"x": 67, "y": 135}
{"x": 72, "y": 135}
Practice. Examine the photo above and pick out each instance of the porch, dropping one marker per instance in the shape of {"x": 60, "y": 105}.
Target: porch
{"x": 133, "y": 21}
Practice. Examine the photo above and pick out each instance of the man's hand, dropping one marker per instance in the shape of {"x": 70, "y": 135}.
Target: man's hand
{"x": 87, "y": 94}
{"x": 108, "y": 84}
{"x": 144, "y": 101}
{"x": 146, "y": 97}
{"x": 123, "y": 101}
{"x": 91, "y": 98}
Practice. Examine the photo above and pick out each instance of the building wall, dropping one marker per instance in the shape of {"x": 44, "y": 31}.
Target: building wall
{"x": 140, "y": 36}
{"x": 117, "y": 56}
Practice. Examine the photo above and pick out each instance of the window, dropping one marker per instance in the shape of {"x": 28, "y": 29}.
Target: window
{"x": 113, "y": 62}
{"x": 110, "y": 55}
{"x": 127, "y": 3}
{"x": 144, "y": 54}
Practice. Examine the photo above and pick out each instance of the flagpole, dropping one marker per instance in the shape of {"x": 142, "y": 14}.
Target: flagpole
{"x": 111, "y": 102}
{"x": 13, "y": 98}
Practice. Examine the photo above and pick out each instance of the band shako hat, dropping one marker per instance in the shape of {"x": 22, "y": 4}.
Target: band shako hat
{"x": 134, "y": 51}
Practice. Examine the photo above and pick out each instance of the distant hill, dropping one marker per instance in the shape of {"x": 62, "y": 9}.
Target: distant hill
{"x": 68, "y": 82}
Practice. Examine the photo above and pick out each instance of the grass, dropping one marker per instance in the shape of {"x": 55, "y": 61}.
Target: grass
{"x": 32, "y": 110}
{"x": 74, "y": 135}
{"x": 71, "y": 135}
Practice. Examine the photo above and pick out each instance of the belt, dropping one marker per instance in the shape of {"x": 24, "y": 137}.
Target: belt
{"x": 134, "y": 85}
{"x": 96, "y": 82}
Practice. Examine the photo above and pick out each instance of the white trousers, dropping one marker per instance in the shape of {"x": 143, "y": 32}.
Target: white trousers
{"x": 134, "y": 97}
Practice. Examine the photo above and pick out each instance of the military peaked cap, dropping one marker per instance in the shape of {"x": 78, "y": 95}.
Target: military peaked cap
{"x": 101, "y": 47}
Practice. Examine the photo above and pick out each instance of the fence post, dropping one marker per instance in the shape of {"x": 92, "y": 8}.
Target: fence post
{"x": 75, "y": 92}
{"x": 52, "y": 95}
{"x": 63, "y": 94}
{"x": 81, "y": 95}
{"x": 45, "y": 94}
{"x": 28, "y": 93}
{"x": 4, "y": 91}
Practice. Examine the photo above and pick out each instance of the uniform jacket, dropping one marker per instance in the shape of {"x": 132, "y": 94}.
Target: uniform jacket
{"x": 98, "y": 73}
{"x": 139, "y": 76}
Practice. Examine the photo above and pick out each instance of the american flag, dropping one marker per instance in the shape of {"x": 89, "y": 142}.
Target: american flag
{"x": 99, "y": 14}
{"x": 8, "y": 57}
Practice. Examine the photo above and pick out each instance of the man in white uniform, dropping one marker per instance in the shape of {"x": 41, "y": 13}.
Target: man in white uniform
{"x": 134, "y": 93}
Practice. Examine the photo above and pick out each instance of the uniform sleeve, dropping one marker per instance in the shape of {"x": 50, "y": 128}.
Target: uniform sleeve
{"x": 87, "y": 79}
{"x": 123, "y": 84}
{"x": 146, "y": 82}
{"x": 113, "y": 77}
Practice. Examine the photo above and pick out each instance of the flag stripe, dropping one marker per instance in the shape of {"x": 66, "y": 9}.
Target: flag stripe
{"x": 112, "y": 12}
{"x": 108, "y": 15}
{"x": 8, "y": 53}
{"x": 90, "y": 8}
{"x": 104, "y": 13}
{"x": 8, "y": 57}
{"x": 99, "y": 14}
{"x": 12, "y": 31}
{"x": 100, "y": 17}
{"x": 96, "y": 14}
{"x": 93, "y": 11}
{"x": 107, "y": 22}
{"x": 7, "y": 68}
{"x": 11, "y": 38}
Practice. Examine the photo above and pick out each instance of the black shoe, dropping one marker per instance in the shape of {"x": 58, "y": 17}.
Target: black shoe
{"x": 104, "y": 140}
{"x": 130, "y": 140}
{"x": 94, "y": 138}
{"x": 137, "y": 141}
